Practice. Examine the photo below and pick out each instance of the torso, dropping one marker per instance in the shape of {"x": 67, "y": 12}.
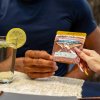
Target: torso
{"x": 39, "y": 20}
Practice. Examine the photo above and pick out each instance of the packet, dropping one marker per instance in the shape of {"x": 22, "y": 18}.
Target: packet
{"x": 64, "y": 43}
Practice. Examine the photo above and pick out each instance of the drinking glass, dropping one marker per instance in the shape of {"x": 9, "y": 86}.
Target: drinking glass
{"x": 7, "y": 61}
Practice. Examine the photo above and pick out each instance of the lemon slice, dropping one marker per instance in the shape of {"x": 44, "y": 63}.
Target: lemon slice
{"x": 17, "y": 37}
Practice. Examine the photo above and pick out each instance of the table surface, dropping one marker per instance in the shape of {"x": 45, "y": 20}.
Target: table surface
{"x": 52, "y": 86}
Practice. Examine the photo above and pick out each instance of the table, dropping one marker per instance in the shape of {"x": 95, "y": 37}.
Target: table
{"x": 52, "y": 86}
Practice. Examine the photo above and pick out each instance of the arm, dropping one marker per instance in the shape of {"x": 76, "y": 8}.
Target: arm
{"x": 93, "y": 40}
{"x": 36, "y": 64}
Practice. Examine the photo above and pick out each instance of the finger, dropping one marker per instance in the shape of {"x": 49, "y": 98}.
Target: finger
{"x": 91, "y": 53}
{"x": 39, "y": 75}
{"x": 83, "y": 67}
{"x": 81, "y": 54}
{"x": 38, "y": 69}
{"x": 39, "y": 62}
{"x": 38, "y": 54}
{"x": 86, "y": 51}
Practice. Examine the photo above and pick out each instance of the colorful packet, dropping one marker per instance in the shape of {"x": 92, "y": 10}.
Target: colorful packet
{"x": 63, "y": 49}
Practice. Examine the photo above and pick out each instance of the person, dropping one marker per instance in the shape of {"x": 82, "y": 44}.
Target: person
{"x": 91, "y": 57}
{"x": 41, "y": 19}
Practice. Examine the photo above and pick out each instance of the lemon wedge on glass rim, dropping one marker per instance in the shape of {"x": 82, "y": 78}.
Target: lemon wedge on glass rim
{"x": 17, "y": 37}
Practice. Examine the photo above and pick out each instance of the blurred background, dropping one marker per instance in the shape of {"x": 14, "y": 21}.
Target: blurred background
{"x": 95, "y": 4}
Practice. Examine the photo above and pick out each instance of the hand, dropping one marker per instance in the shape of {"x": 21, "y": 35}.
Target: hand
{"x": 91, "y": 58}
{"x": 39, "y": 64}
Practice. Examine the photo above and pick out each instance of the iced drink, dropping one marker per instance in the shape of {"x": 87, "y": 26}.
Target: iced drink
{"x": 7, "y": 61}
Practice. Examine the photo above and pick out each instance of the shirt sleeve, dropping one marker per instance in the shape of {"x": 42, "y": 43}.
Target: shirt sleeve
{"x": 84, "y": 20}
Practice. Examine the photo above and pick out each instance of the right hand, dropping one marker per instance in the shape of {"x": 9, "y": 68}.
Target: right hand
{"x": 39, "y": 64}
{"x": 91, "y": 58}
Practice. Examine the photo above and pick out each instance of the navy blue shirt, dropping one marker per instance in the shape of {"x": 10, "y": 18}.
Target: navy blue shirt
{"x": 41, "y": 19}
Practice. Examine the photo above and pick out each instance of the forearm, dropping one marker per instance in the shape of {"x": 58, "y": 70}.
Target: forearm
{"x": 77, "y": 73}
{"x": 93, "y": 40}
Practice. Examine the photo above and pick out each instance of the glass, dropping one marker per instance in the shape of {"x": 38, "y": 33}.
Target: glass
{"x": 7, "y": 61}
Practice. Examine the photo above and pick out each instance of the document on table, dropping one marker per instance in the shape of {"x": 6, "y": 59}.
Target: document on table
{"x": 52, "y": 86}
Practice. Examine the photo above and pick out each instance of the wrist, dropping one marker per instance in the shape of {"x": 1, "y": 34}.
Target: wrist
{"x": 19, "y": 65}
